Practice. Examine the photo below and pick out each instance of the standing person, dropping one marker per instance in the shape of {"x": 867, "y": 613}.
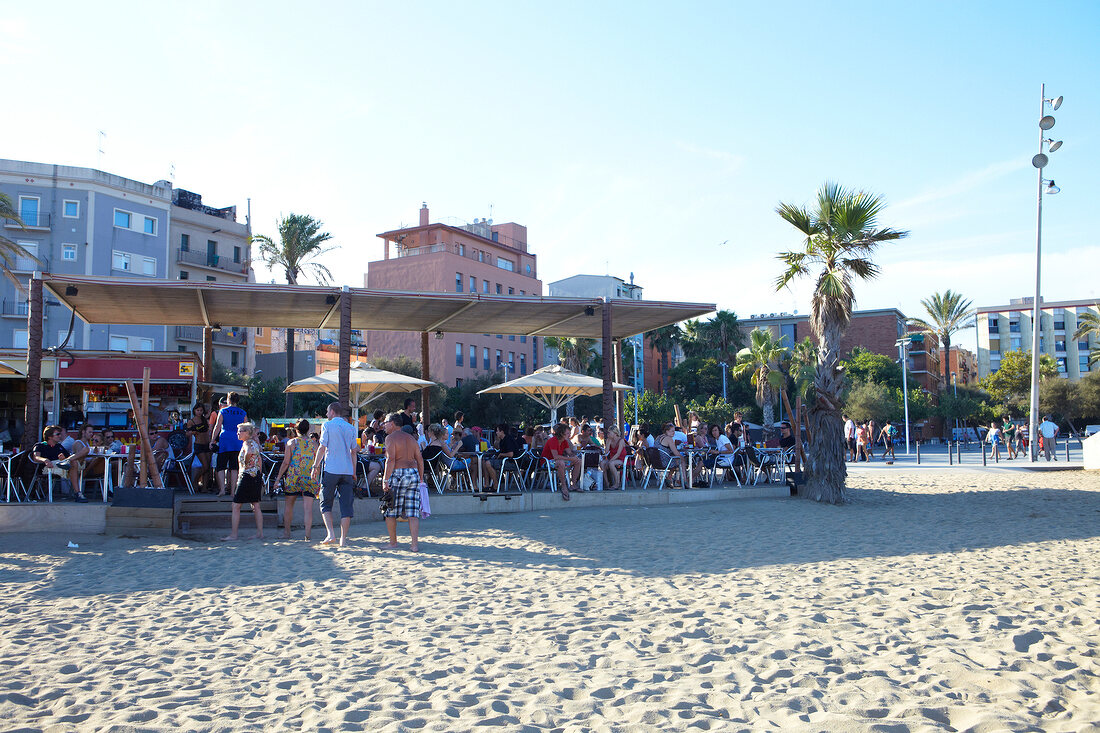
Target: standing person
{"x": 993, "y": 437}
{"x": 861, "y": 442}
{"x": 458, "y": 425}
{"x": 1048, "y": 429}
{"x": 199, "y": 428}
{"x": 337, "y": 450}
{"x": 298, "y": 467}
{"x": 887, "y": 435}
{"x": 404, "y": 467}
{"x": 1010, "y": 438}
{"x": 250, "y": 485}
{"x": 229, "y": 444}
{"x": 850, "y": 437}
{"x": 871, "y": 440}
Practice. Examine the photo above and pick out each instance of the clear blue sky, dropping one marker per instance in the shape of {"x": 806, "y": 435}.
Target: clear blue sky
{"x": 627, "y": 136}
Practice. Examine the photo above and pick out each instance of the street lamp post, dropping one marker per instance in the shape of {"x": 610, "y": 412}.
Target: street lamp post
{"x": 901, "y": 343}
{"x": 725, "y": 368}
{"x": 955, "y": 386}
{"x": 1040, "y": 160}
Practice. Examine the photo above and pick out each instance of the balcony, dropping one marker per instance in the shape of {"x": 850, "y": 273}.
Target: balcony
{"x": 214, "y": 262}
{"x": 482, "y": 256}
{"x": 14, "y": 309}
{"x": 26, "y": 264}
{"x": 225, "y": 337}
{"x": 39, "y": 220}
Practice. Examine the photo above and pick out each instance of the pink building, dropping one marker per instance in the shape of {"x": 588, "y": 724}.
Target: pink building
{"x": 446, "y": 258}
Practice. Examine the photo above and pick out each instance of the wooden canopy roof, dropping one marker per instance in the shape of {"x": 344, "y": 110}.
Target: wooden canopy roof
{"x": 184, "y": 303}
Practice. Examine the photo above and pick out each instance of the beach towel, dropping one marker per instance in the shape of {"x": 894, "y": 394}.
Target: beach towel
{"x": 425, "y": 510}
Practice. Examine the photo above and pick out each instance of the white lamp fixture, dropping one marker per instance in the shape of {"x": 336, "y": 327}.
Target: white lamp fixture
{"x": 1055, "y": 103}
{"x": 1052, "y": 145}
{"x": 1051, "y": 188}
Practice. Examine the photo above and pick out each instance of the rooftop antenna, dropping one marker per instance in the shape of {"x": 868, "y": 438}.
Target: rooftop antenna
{"x": 99, "y": 148}
{"x": 490, "y": 211}
{"x": 172, "y": 172}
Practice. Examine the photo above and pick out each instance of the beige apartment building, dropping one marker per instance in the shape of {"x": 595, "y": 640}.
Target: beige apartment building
{"x": 458, "y": 257}
{"x": 1004, "y": 328}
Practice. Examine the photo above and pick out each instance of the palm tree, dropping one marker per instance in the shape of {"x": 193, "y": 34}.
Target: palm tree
{"x": 801, "y": 365}
{"x": 720, "y": 338}
{"x": 948, "y": 313}
{"x": 9, "y": 250}
{"x": 575, "y": 354}
{"x": 762, "y": 358}
{"x": 1089, "y": 323}
{"x": 299, "y": 246}
{"x": 665, "y": 340}
{"x": 841, "y": 232}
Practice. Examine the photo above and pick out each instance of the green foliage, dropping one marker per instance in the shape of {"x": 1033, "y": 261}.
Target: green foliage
{"x": 719, "y": 338}
{"x": 653, "y": 408}
{"x": 1010, "y": 385}
{"x": 575, "y": 354}
{"x": 697, "y": 380}
{"x": 487, "y": 410}
{"x": 971, "y": 407}
{"x": 298, "y": 248}
{"x": 221, "y": 374}
{"x": 866, "y": 366}
{"x": 410, "y": 368}
{"x": 719, "y": 412}
{"x": 1072, "y": 400}
{"x": 879, "y": 402}
{"x": 264, "y": 398}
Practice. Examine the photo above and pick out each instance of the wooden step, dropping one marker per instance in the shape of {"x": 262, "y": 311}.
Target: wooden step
{"x": 188, "y": 523}
{"x": 220, "y": 507}
{"x": 139, "y": 520}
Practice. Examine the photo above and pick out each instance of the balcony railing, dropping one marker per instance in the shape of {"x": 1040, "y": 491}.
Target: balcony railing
{"x": 227, "y": 336}
{"x": 26, "y": 264}
{"x": 40, "y": 220}
{"x": 14, "y": 308}
{"x": 469, "y": 252}
{"x": 207, "y": 260}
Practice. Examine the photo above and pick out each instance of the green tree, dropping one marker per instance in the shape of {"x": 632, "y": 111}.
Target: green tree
{"x": 10, "y": 250}
{"x": 575, "y": 354}
{"x": 761, "y": 359}
{"x": 299, "y": 247}
{"x": 841, "y": 233}
{"x": 265, "y": 398}
{"x": 719, "y": 338}
{"x": 871, "y": 401}
{"x": 801, "y": 365}
{"x": 654, "y": 408}
{"x": 867, "y": 366}
{"x": 395, "y": 400}
{"x": 1010, "y": 385}
{"x": 1089, "y": 324}
{"x": 221, "y": 374}
{"x": 948, "y": 313}
{"x": 1071, "y": 401}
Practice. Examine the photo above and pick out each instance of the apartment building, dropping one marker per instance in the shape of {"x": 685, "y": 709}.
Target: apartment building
{"x": 963, "y": 363}
{"x": 1004, "y": 328}
{"x": 458, "y": 257}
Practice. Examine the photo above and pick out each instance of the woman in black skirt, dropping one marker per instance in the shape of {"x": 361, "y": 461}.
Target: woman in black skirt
{"x": 250, "y": 484}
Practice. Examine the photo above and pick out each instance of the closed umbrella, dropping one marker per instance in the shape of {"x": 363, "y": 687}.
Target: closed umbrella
{"x": 366, "y": 384}
{"x": 553, "y": 386}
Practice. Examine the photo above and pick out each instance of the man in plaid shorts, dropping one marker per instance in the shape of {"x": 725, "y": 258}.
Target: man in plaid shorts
{"x": 404, "y": 467}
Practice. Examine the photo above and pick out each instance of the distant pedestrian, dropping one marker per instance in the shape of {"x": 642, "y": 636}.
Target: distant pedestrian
{"x": 1009, "y": 431}
{"x": 229, "y": 445}
{"x": 1048, "y": 429}
{"x": 887, "y": 435}
{"x": 850, "y": 437}
{"x": 994, "y": 438}
{"x": 337, "y": 454}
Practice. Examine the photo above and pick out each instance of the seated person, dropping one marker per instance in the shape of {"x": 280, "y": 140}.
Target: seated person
{"x": 50, "y": 455}
{"x": 614, "y": 456}
{"x": 670, "y": 449}
{"x": 585, "y": 438}
{"x": 79, "y": 462}
{"x": 110, "y": 443}
{"x": 681, "y": 437}
{"x": 559, "y": 451}
{"x": 786, "y": 438}
{"x": 280, "y": 436}
{"x": 438, "y": 445}
{"x": 537, "y": 440}
{"x": 507, "y": 447}
{"x": 464, "y": 440}
{"x": 161, "y": 453}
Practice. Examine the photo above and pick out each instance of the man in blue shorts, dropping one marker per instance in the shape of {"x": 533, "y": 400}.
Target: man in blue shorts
{"x": 338, "y": 452}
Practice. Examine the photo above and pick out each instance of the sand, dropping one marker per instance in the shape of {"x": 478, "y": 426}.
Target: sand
{"x": 937, "y": 600}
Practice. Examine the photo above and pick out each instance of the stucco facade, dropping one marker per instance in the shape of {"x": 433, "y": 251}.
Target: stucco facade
{"x": 1004, "y": 328}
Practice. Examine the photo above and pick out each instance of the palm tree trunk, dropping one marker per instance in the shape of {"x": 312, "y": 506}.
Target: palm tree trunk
{"x": 826, "y": 470}
{"x": 769, "y": 415}
{"x": 664, "y": 372}
{"x": 288, "y": 410}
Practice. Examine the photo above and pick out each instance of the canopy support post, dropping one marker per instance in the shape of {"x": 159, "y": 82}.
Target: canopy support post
{"x": 343, "y": 394}
{"x": 33, "y": 416}
{"x": 425, "y": 373}
{"x": 608, "y": 412}
{"x": 207, "y": 354}
{"x": 618, "y": 378}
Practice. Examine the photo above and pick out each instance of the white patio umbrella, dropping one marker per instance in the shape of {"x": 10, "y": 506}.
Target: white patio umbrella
{"x": 366, "y": 385}
{"x": 553, "y": 386}
{"x": 6, "y": 368}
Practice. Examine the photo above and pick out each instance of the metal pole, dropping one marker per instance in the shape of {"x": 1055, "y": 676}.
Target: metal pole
{"x": 1036, "y": 316}
{"x": 955, "y": 386}
{"x": 725, "y": 368}
{"x": 958, "y": 452}
{"x": 904, "y": 391}
{"x": 918, "y": 452}
{"x": 950, "y": 454}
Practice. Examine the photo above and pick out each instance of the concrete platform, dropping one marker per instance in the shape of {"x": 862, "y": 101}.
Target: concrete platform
{"x": 65, "y": 516}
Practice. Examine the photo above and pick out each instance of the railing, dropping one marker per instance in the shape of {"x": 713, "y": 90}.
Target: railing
{"x": 483, "y": 256}
{"x": 26, "y": 264}
{"x": 227, "y": 336}
{"x": 14, "y": 308}
{"x": 207, "y": 260}
{"x": 414, "y": 251}
{"x": 41, "y": 220}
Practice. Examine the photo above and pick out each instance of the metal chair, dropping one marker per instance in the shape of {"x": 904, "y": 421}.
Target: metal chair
{"x": 511, "y": 470}
{"x": 438, "y": 475}
{"x": 666, "y": 464}
{"x": 181, "y": 465}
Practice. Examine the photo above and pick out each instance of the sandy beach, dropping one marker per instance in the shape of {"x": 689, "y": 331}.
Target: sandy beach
{"x": 936, "y": 600}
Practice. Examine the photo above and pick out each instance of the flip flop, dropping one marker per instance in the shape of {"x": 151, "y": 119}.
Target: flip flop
{"x": 332, "y": 541}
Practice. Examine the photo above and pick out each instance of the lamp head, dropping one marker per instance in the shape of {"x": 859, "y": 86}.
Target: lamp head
{"x": 1046, "y": 122}
{"x": 1040, "y": 160}
{"x": 438, "y": 335}
{"x": 1052, "y": 145}
{"x": 1051, "y": 188}
{"x": 1055, "y": 103}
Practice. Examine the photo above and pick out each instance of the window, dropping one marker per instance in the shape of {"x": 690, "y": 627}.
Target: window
{"x": 523, "y": 292}
{"x": 473, "y": 284}
{"x": 1082, "y": 346}
{"x": 458, "y": 354}
{"x": 522, "y": 364}
{"x": 260, "y": 332}
{"x": 70, "y": 209}
{"x": 512, "y": 337}
{"x": 28, "y": 210}
{"x": 68, "y": 252}
{"x": 458, "y": 282}
{"x": 523, "y": 339}
{"x": 499, "y": 336}
{"x": 496, "y": 236}
{"x": 511, "y": 291}
{"x": 461, "y": 249}
{"x": 149, "y": 266}
{"x": 119, "y": 343}
{"x": 236, "y": 254}
{"x": 181, "y": 347}
{"x": 19, "y": 338}
{"x": 150, "y": 225}
{"x": 473, "y": 356}
{"x": 1059, "y": 325}
{"x": 506, "y": 264}
{"x": 484, "y": 359}
{"x": 120, "y": 261}
{"x": 211, "y": 279}
{"x": 123, "y": 219}
{"x": 480, "y": 255}
{"x": 1014, "y": 326}
{"x": 458, "y": 382}
{"x": 185, "y": 275}
{"x": 185, "y": 243}
{"x": 512, "y": 359}
{"x": 1059, "y": 344}
{"x": 485, "y": 286}
{"x": 994, "y": 325}
{"x": 234, "y": 358}
{"x": 528, "y": 269}
{"x": 500, "y": 290}
{"x": 144, "y": 344}
{"x": 499, "y": 359}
